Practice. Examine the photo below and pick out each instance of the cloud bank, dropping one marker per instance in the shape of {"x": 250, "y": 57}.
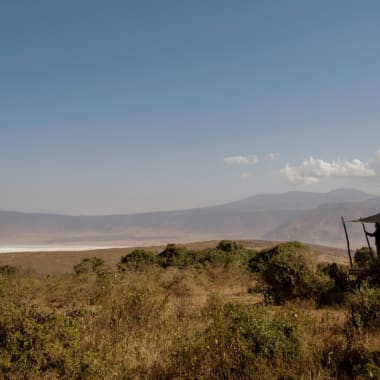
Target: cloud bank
{"x": 241, "y": 160}
{"x": 312, "y": 170}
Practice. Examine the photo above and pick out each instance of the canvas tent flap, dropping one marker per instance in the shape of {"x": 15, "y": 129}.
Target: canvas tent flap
{"x": 369, "y": 219}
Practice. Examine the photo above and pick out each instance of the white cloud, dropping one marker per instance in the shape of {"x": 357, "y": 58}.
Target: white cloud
{"x": 375, "y": 163}
{"x": 312, "y": 170}
{"x": 245, "y": 175}
{"x": 241, "y": 160}
{"x": 272, "y": 156}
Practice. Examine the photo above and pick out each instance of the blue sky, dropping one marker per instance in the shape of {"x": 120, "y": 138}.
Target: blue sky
{"x": 130, "y": 106}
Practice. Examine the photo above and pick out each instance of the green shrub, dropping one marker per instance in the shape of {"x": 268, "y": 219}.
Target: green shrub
{"x": 35, "y": 342}
{"x": 339, "y": 274}
{"x": 364, "y": 308}
{"x": 258, "y": 262}
{"x": 214, "y": 257}
{"x": 89, "y": 265}
{"x": 260, "y": 259}
{"x": 292, "y": 274}
{"x": 336, "y": 292}
{"x": 363, "y": 257}
{"x": 137, "y": 259}
{"x": 175, "y": 256}
{"x": 226, "y": 253}
{"x": 239, "y": 341}
{"x": 372, "y": 275}
{"x": 226, "y": 259}
{"x": 229, "y": 246}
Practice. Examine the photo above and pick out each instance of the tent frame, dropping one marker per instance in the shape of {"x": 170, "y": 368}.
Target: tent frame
{"x": 370, "y": 219}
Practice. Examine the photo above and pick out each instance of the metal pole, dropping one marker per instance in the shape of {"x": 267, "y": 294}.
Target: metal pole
{"x": 369, "y": 245}
{"x": 348, "y": 242}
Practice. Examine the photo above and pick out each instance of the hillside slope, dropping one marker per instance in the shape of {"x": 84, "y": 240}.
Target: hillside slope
{"x": 323, "y": 225}
{"x": 310, "y": 217}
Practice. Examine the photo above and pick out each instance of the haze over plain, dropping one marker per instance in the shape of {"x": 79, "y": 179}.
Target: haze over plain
{"x": 306, "y": 216}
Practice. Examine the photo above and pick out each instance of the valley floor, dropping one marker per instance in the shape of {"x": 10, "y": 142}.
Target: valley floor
{"x": 49, "y": 261}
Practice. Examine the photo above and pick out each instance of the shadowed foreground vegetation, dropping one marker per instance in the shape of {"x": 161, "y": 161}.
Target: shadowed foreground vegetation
{"x": 217, "y": 313}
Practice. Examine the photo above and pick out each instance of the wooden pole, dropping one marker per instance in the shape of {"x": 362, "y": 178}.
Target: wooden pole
{"x": 369, "y": 245}
{"x": 348, "y": 242}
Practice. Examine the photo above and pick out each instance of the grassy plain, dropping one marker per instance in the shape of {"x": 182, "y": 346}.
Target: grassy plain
{"x": 176, "y": 318}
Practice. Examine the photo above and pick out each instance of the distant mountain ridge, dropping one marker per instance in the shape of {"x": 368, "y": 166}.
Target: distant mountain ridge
{"x": 296, "y": 200}
{"x": 309, "y": 217}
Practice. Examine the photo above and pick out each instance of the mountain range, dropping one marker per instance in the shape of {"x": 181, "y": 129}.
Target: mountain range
{"x": 306, "y": 216}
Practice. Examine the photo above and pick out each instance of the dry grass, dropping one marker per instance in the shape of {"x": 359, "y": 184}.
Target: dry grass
{"x": 169, "y": 323}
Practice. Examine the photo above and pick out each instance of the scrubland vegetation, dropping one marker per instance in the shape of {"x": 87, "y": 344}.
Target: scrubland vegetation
{"x": 217, "y": 313}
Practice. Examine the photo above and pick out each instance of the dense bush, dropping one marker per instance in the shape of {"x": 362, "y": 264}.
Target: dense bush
{"x": 259, "y": 261}
{"x": 364, "y": 308}
{"x": 229, "y": 246}
{"x": 176, "y": 256}
{"x": 226, "y": 253}
{"x": 363, "y": 257}
{"x": 291, "y": 273}
{"x": 35, "y": 342}
{"x": 218, "y": 257}
{"x": 240, "y": 342}
{"x": 339, "y": 274}
{"x": 340, "y": 285}
{"x": 137, "y": 259}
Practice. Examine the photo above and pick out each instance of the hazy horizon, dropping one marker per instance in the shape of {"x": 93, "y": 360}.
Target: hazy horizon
{"x": 193, "y": 208}
{"x": 124, "y": 107}
{"x": 276, "y": 217}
